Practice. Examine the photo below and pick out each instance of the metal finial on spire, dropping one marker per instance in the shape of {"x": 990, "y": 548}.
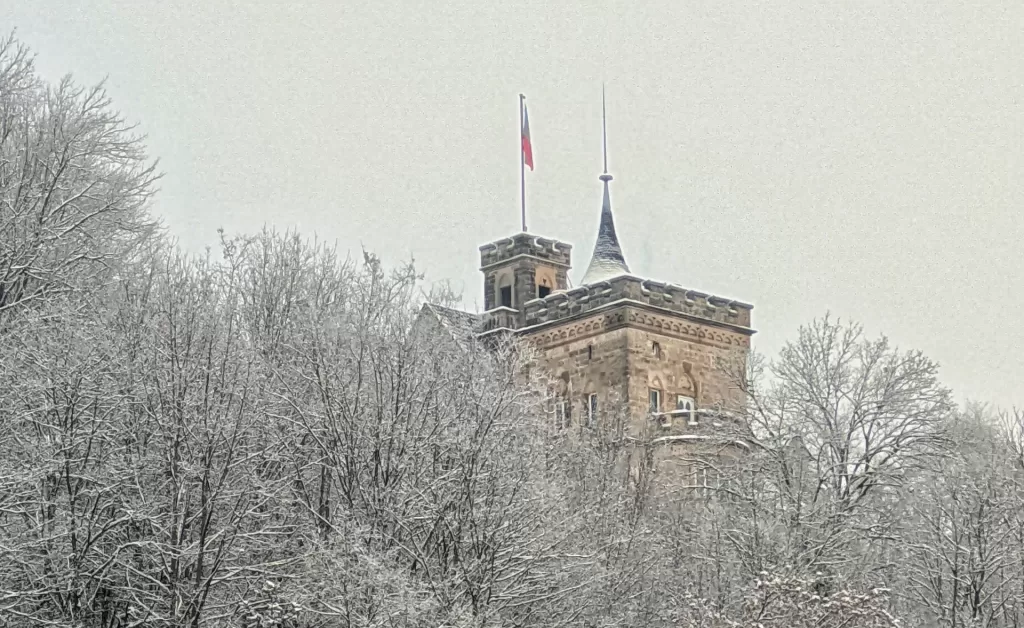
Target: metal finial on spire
{"x": 604, "y": 130}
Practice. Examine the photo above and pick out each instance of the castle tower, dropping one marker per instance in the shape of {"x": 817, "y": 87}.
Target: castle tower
{"x": 518, "y": 270}
{"x": 619, "y": 343}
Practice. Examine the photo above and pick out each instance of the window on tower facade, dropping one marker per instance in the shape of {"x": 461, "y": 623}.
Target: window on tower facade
{"x": 591, "y": 409}
{"x": 563, "y": 413}
{"x": 505, "y": 280}
{"x": 654, "y": 399}
{"x": 656, "y": 350}
{"x": 590, "y": 352}
{"x": 543, "y": 289}
{"x": 687, "y": 406}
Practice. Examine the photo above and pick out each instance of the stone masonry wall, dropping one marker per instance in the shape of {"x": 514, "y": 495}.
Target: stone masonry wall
{"x": 622, "y": 364}
{"x": 684, "y": 367}
{"x": 688, "y": 453}
{"x": 597, "y": 364}
{"x": 622, "y": 360}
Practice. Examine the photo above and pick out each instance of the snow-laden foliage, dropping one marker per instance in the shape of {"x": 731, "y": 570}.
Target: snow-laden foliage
{"x": 74, "y": 185}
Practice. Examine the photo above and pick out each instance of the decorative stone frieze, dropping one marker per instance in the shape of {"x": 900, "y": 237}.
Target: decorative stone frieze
{"x": 627, "y": 315}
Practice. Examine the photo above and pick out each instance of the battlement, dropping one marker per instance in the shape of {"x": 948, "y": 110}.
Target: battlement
{"x": 524, "y": 244}
{"x": 589, "y": 297}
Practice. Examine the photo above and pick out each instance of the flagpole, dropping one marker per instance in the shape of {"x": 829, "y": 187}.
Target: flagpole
{"x": 522, "y": 162}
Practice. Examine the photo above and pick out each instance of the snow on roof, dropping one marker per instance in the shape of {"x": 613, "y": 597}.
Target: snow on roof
{"x": 461, "y": 325}
{"x": 608, "y": 260}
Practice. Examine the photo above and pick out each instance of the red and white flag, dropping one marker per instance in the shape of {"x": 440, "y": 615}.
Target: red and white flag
{"x": 527, "y": 146}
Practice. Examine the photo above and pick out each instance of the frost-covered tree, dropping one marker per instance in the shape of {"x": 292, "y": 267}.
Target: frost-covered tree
{"x": 74, "y": 185}
{"x": 210, "y": 431}
{"x": 959, "y": 557}
{"x": 838, "y": 424}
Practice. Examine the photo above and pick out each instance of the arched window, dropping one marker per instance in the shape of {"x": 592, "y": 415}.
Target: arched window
{"x": 686, "y": 406}
{"x": 561, "y": 396}
{"x": 563, "y": 412}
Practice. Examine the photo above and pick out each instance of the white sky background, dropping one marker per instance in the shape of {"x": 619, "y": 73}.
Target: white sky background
{"x": 863, "y": 158}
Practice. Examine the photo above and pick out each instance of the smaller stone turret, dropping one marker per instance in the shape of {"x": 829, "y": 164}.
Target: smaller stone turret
{"x": 520, "y": 269}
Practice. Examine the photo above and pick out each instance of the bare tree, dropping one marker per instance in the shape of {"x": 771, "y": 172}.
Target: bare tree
{"x": 74, "y": 184}
{"x": 416, "y": 461}
{"x": 130, "y": 485}
{"x": 960, "y": 556}
{"x": 838, "y": 426}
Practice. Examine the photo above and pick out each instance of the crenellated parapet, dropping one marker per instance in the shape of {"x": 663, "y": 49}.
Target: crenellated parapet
{"x": 524, "y": 244}
{"x": 668, "y": 296}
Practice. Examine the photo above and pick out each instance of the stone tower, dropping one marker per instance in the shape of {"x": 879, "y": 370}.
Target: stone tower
{"x": 518, "y": 270}
{"x": 618, "y": 342}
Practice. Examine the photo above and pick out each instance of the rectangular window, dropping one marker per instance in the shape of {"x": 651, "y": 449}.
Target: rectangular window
{"x": 654, "y": 397}
{"x": 563, "y": 413}
{"x": 543, "y": 291}
{"x": 506, "y": 296}
{"x": 591, "y": 409}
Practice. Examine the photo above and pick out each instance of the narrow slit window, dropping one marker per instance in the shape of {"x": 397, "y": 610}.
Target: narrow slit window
{"x": 590, "y": 352}
{"x": 591, "y": 409}
{"x": 563, "y": 413}
{"x": 656, "y": 350}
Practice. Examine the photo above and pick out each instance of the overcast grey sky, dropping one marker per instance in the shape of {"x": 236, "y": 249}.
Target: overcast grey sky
{"x": 860, "y": 157}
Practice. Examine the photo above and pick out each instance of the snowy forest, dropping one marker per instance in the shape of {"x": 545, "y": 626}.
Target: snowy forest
{"x": 260, "y": 436}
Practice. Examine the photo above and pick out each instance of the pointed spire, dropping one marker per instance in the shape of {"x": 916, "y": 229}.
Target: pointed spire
{"x": 608, "y": 260}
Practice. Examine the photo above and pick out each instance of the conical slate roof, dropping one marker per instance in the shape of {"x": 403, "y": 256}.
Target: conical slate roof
{"x": 608, "y": 260}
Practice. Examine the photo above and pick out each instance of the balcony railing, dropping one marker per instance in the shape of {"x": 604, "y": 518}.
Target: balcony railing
{"x": 701, "y": 417}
